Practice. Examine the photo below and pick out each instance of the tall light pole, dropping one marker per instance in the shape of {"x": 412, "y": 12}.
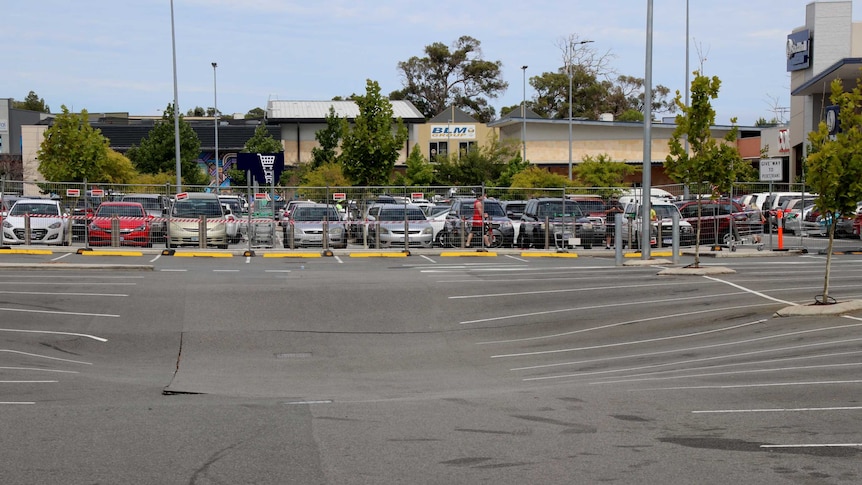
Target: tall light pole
{"x": 647, "y": 153}
{"x": 215, "y": 115}
{"x": 524, "y": 115}
{"x": 176, "y": 106}
{"x": 571, "y": 52}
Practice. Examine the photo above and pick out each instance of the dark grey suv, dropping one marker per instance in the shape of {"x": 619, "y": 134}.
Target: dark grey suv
{"x": 569, "y": 226}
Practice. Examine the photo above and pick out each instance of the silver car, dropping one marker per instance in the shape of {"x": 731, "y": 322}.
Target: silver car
{"x": 309, "y": 222}
{"x": 386, "y": 224}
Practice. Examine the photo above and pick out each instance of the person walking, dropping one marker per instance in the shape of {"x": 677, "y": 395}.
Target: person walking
{"x": 610, "y": 222}
{"x": 477, "y": 225}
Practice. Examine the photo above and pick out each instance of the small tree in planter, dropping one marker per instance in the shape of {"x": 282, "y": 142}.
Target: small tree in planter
{"x": 834, "y": 165}
{"x": 708, "y": 163}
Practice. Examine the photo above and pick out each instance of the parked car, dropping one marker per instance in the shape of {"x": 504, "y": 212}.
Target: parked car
{"x": 794, "y": 213}
{"x": 595, "y": 209}
{"x": 514, "y": 208}
{"x": 47, "y": 223}
{"x": 308, "y": 223}
{"x": 716, "y": 221}
{"x": 660, "y": 230}
{"x": 132, "y": 223}
{"x": 458, "y": 222}
{"x": 567, "y": 225}
{"x": 387, "y": 224}
{"x": 184, "y": 224}
{"x": 156, "y": 206}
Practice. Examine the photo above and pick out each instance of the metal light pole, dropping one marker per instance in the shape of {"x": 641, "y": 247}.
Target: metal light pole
{"x": 569, "y": 68}
{"x": 176, "y": 106}
{"x": 524, "y": 114}
{"x": 647, "y": 148}
{"x": 215, "y": 115}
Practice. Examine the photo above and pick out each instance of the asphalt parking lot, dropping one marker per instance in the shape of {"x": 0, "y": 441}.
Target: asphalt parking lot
{"x": 426, "y": 369}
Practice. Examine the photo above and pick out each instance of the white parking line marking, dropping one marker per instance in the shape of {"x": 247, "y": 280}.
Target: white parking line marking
{"x": 54, "y": 312}
{"x": 429, "y": 259}
{"x": 691, "y": 349}
{"x": 631, "y": 377}
{"x": 631, "y": 342}
{"x": 564, "y": 290}
{"x": 816, "y": 445}
{"x": 173, "y": 270}
{"x": 30, "y": 283}
{"x": 628, "y": 322}
{"x": 66, "y": 255}
{"x": 338, "y": 258}
{"x": 39, "y": 369}
{"x": 17, "y": 402}
{"x": 48, "y": 332}
{"x": 159, "y": 255}
{"x": 517, "y": 258}
{"x": 753, "y": 292}
{"x": 741, "y": 386}
{"x": 9, "y": 351}
{"x": 729, "y": 373}
{"x": 225, "y": 271}
{"x": 777, "y": 410}
{"x": 592, "y": 307}
{"x": 29, "y": 382}
{"x": 277, "y": 271}
{"x": 58, "y": 293}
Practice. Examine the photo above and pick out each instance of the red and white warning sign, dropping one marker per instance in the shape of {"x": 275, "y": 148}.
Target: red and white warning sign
{"x": 261, "y": 196}
{"x": 417, "y": 195}
{"x": 97, "y": 193}
{"x": 73, "y": 192}
{"x": 339, "y": 196}
{"x": 182, "y": 196}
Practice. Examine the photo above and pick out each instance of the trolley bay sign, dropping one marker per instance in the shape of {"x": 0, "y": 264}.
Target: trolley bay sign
{"x": 266, "y": 168}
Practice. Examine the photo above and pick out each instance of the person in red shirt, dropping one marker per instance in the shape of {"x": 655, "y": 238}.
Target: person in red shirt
{"x": 476, "y": 222}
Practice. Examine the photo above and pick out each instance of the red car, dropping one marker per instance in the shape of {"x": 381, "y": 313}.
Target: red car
{"x": 131, "y": 220}
{"x": 715, "y": 218}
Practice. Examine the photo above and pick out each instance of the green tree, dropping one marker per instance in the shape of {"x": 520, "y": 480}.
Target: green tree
{"x": 262, "y": 142}
{"x": 834, "y": 164}
{"x": 255, "y": 113}
{"x": 490, "y": 164}
{"x": 370, "y": 147}
{"x": 328, "y": 139}
{"x": 157, "y": 152}
{"x": 535, "y": 177}
{"x": 458, "y": 76}
{"x": 326, "y": 175}
{"x": 710, "y": 165}
{"x": 72, "y": 150}
{"x": 601, "y": 171}
{"x": 118, "y": 169}
{"x": 33, "y": 103}
{"x": 196, "y": 111}
{"x": 419, "y": 170}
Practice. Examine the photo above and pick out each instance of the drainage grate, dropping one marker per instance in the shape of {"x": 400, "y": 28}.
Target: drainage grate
{"x": 294, "y": 355}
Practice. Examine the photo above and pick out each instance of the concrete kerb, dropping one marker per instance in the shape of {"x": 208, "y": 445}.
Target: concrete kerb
{"x": 823, "y": 310}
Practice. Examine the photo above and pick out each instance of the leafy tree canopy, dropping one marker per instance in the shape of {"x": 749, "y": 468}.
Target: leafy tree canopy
{"x": 157, "y": 152}
{"x": 255, "y": 113}
{"x": 328, "y": 140}
{"x": 459, "y": 76}
{"x": 535, "y": 177}
{"x": 419, "y": 170}
{"x": 370, "y": 147}
{"x": 33, "y": 103}
{"x": 326, "y": 175}
{"x": 601, "y": 171}
{"x": 262, "y": 142}
{"x": 834, "y": 163}
{"x": 72, "y": 150}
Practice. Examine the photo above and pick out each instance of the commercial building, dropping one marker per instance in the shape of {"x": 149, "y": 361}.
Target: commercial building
{"x": 827, "y": 47}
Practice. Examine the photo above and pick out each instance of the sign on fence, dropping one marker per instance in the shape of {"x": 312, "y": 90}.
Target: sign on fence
{"x": 73, "y": 192}
{"x": 771, "y": 169}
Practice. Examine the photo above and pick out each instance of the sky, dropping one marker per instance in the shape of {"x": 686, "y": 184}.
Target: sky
{"x": 116, "y": 55}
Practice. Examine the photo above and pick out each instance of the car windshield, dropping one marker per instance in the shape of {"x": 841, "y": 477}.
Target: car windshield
{"x": 308, "y": 214}
{"x": 197, "y": 208}
{"x": 150, "y": 203}
{"x": 32, "y": 208}
{"x": 234, "y": 205}
{"x": 119, "y": 210}
{"x": 591, "y": 205}
{"x": 664, "y": 211}
{"x": 492, "y": 208}
{"x": 413, "y": 214}
{"x": 554, "y": 208}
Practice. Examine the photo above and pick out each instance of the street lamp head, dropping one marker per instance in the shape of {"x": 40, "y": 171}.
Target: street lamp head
{"x": 214, "y": 65}
{"x": 524, "y": 67}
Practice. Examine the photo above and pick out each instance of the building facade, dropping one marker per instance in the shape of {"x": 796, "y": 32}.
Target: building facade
{"x": 827, "y": 47}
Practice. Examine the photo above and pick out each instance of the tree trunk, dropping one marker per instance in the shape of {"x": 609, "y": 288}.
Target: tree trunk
{"x": 831, "y": 233}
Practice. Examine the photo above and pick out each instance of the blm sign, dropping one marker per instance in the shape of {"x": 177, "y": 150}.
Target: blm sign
{"x": 266, "y": 168}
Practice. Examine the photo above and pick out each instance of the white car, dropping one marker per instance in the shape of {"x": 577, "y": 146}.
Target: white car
{"x": 47, "y": 223}
{"x": 631, "y": 227}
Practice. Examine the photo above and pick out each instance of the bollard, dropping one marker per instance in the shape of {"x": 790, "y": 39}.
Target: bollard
{"x": 547, "y": 232}
{"x": 202, "y": 232}
{"x": 115, "y": 231}
{"x": 27, "y": 229}
{"x": 780, "y": 218}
